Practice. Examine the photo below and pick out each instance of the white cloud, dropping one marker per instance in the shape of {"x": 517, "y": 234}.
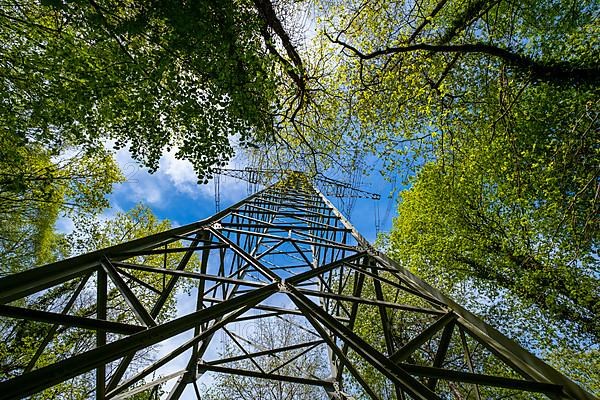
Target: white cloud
{"x": 180, "y": 173}
{"x": 139, "y": 185}
{"x": 173, "y": 176}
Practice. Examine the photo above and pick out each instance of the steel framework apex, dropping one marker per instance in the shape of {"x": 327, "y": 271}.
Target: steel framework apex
{"x": 286, "y": 256}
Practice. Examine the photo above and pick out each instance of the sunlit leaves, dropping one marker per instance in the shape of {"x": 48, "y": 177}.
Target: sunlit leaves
{"x": 149, "y": 77}
{"x": 36, "y": 188}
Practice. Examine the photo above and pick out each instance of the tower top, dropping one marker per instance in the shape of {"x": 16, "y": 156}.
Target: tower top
{"x": 266, "y": 177}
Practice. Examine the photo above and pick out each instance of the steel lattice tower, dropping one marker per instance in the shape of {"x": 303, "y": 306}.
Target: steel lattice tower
{"x": 288, "y": 243}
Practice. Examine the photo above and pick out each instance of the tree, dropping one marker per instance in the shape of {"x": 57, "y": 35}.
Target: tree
{"x": 397, "y": 81}
{"x": 36, "y": 187}
{"x": 491, "y": 105}
{"x": 517, "y": 211}
{"x": 477, "y": 240}
{"x": 269, "y": 333}
{"x": 493, "y": 108}
{"x": 20, "y": 349}
{"x": 147, "y": 75}
{"x": 524, "y": 141}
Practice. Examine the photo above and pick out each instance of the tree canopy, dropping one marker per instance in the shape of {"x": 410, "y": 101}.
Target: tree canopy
{"x": 36, "y": 188}
{"x": 493, "y": 106}
{"x": 489, "y": 106}
{"x": 152, "y": 76}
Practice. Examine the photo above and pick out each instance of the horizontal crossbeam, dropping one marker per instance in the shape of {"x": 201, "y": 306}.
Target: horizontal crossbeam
{"x": 264, "y": 375}
{"x": 479, "y": 379}
{"x": 45, "y": 377}
{"x": 69, "y": 320}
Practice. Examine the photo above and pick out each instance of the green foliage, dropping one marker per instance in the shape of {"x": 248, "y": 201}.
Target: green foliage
{"x": 582, "y": 366}
{"x": 36, "y": 188}
{"x": 406, "y": 325}
{"x": 458, "y": 231}
{"x": 148, "y": 75}
{"x": 516, "y": 206}
{"x": 21, "y": 341}
{"x": 91, "y": 234}
{"x": 510, "y": 208}
{"x": 374, "y": 94}
{"x": 490, "y": 106}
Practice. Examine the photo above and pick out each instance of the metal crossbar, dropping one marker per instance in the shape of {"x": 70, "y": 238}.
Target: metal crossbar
{"x": 284, "y": 254}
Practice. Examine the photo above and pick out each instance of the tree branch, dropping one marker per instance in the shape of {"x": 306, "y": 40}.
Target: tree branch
{"x": 560, "y": 72}
{"x": 474, "y": 11}
{"x": 267, "y": 13}
{"x": 426, "y": 21}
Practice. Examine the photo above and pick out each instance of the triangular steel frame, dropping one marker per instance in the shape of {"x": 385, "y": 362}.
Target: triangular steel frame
{"x": 286, "y": 240}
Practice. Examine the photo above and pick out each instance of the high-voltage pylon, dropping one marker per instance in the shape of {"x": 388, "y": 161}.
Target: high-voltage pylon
{"x": 283, "y": 254}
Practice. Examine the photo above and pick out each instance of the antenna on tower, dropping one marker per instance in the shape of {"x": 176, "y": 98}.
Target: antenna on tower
{"x": 217, "y": 182}
{"x": 329, "y": 186}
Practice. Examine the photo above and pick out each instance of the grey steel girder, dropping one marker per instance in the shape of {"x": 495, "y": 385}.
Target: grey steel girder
{"x": 286, "y": 256}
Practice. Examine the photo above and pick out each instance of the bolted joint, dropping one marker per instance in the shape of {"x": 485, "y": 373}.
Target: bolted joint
{"x": 201, "y": 367}
{"x": 367, "y": 247}
{"x": 283, "y": 286}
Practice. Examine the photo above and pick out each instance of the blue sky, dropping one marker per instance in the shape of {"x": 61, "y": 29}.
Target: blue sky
{"x": 172, "y": 193}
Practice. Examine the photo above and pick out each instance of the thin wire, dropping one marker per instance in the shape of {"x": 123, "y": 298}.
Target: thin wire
{"x": 390, "y": 201}
{"x": 217, "y": 182}
{"x": 377, "y": 219}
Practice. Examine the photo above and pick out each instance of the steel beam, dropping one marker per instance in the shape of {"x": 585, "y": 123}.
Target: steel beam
{"x": 480, "y": 379}
{"x": 375, "y": 358}
{"x": 406, "y": 350}
{"x": 52, "y": 331}
{"x": 287, "y": 238}
{"x": 101, "y": 309}
{"x": 264, "y": 375}
{"x": 69, "y": 320}
{"x": 138, "y": 308}
{"x": 45, "y": 377}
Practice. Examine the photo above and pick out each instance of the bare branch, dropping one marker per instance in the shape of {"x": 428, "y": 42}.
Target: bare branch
{"x": 557, "y": 72}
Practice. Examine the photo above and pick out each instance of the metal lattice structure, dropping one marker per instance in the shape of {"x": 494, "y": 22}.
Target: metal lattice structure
{"x": 286, "y": 254}
{"x": 329, "y": 186}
